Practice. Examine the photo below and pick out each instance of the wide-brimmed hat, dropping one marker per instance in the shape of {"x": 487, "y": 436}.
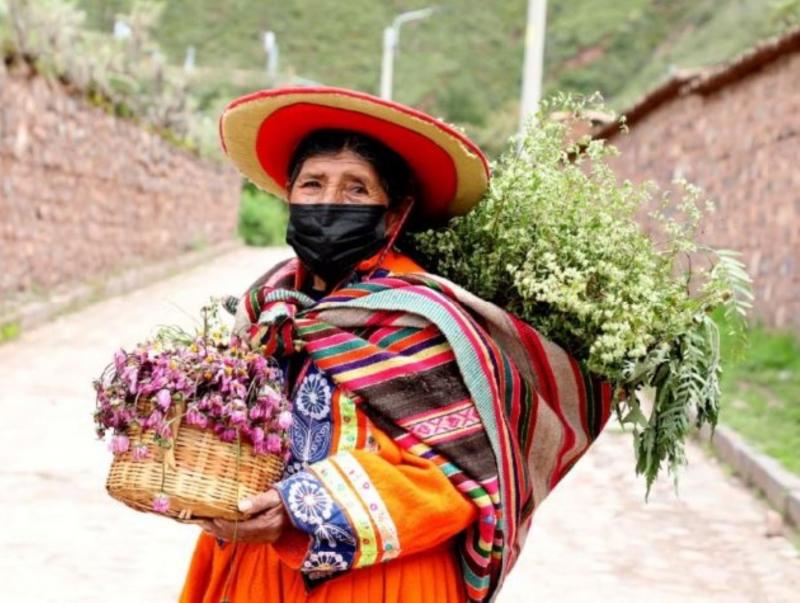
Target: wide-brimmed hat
{"x": 260, "y": 132}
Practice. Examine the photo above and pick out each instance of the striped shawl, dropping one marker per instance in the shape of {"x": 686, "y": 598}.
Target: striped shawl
{"x": 503, "y": 411}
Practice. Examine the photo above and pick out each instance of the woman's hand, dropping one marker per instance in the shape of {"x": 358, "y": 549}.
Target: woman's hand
{"x": 266, "y": 524}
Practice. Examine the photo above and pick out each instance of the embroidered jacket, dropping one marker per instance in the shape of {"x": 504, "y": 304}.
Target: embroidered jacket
{"x": 354, "y": 497}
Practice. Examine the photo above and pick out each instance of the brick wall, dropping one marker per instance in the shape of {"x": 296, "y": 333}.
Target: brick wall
{"x": 83, "y": 194}
{"x": 741, "y": 144}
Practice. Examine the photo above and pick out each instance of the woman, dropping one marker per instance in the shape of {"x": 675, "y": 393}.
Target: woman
{"x": 413, "y": 467}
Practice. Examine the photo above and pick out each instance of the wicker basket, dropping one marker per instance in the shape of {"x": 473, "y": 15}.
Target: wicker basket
{"x": 201, "y": 474}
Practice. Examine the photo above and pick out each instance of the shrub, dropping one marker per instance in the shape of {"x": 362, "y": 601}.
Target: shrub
{"x": 262, "y": 217}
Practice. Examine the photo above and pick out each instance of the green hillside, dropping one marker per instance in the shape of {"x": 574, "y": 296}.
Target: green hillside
{"x": 464, "y": 62}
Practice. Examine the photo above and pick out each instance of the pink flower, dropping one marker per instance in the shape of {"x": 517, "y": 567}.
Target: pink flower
{"x": 229, "y": 435}
{"x": 157, "y": 381}
{"x": 120, "y": 357}
{"x": 265, "y": 409}
{"x": 130, "y": 374}
{"x": 161, "y": 503}
{"x": 195, "y": 417}
{"x": 285, "y": 419}
{"x": 256, "y": 435}
{"x": 163, "y": 399}
{"x": 271, "y": 396}
{"x": 273, "y": 443}
{"x": 238, "y": 389}
{"x": 119, "y": 444}
{"x": 238, "y": 417}
{"x": 259, "y": 364}
{"x": 154, "y": 419}
{"x": 140, "y": 452}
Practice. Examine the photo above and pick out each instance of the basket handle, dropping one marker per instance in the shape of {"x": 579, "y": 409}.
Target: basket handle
{"x": 169, "y": 454}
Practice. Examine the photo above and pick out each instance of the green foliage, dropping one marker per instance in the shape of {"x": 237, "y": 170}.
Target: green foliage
{"x": 128, "y": 78}
{"x": 761, "y": 386}
{"x": 9, "y": 330}
{"x": 262, "y": 218}
{"x": 464, "y": 62}
{"x": 786, "y": 13}
{"x": 705, "y": 32}
{"x": 557, "y": 242}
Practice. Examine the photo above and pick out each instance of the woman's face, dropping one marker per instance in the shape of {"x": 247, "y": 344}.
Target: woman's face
{"x": 342, "y": 178}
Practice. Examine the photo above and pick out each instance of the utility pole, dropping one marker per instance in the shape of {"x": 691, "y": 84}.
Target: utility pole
{"x": 271, "y": 48}
{"x": 533, "y": 68}
{"x": 189, "y": 61}
{"x": 391, "y": 36}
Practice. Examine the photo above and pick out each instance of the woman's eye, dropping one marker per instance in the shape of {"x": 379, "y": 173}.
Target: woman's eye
{"x": 310, "y": 184}
{"x": 359, "y": 189}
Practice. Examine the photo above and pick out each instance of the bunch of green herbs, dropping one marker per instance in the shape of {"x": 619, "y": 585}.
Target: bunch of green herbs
{"x": 561, "y": 243}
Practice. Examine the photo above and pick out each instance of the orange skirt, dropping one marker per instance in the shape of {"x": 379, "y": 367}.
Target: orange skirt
{"x": 257, "y": 575}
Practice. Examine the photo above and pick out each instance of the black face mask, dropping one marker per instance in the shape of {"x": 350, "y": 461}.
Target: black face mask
{"x": 331, "y": 238}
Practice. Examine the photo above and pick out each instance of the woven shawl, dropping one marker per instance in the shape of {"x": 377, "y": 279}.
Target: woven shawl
{"x": 504, "y": 412}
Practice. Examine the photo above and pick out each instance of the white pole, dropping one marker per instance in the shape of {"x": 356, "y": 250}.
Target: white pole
{"x": 271, "y": 48}
{"x": 189, "y": 62}
{"x": 390, "y": 37}
{"x": 534, "y": 59}
{"x": 387, "y": 66}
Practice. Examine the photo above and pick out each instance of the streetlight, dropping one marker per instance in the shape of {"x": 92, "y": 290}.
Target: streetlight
{"x": 534, "y": 60}
{"x": 271, "y": 48}
{"x": 391, "y": 36}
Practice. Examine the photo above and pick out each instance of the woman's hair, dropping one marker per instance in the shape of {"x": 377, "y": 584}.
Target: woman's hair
{"x": 393, "y": 172}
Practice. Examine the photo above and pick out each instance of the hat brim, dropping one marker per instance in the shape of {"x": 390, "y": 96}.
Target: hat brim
{"x": 260, "y": 131}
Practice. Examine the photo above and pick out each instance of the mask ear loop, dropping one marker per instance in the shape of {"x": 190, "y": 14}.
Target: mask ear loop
{"x": 405, "y": 212}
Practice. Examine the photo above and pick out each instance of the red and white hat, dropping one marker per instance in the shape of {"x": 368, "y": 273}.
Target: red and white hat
{"x": 260, "y": 131}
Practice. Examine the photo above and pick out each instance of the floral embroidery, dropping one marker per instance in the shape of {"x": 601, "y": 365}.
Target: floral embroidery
{"x": 313, "y": 506}
{"x": 312, "y": 427}
{"x": 324, "y": 563}
{"x": 314, "y": 397}
{"x": 333, "y": 534}
{"x": 309, "y": 441}
{"x": 315, "y": 511}
{"x": 308, "y": 501}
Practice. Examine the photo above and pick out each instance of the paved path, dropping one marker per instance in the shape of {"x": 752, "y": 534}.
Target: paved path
{"x": 63, "y": 539}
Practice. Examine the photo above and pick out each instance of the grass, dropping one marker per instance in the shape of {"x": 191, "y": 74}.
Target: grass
{"x": 9, "y": 331}
{"x": 708, "y": 32}
{"x": 761, "y": 393}
{"x": 262, "y": 218}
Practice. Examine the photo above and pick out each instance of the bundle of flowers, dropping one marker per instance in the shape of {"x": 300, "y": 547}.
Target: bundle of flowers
{"x": 208, "y": 381}
{"x": 558, "y": 241}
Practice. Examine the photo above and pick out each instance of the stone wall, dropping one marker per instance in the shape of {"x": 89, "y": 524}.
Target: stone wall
{"x": 741, "y": 144}
{"x": 84, "y": 194}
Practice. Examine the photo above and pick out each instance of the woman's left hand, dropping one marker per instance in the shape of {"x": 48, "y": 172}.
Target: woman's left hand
{"x": 266, "y": 524}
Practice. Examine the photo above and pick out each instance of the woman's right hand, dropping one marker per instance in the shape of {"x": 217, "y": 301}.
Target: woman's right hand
{"x": 266, "y": 524}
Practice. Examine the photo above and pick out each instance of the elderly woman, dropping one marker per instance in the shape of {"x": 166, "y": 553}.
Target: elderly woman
{"x": 427, "y": 423}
